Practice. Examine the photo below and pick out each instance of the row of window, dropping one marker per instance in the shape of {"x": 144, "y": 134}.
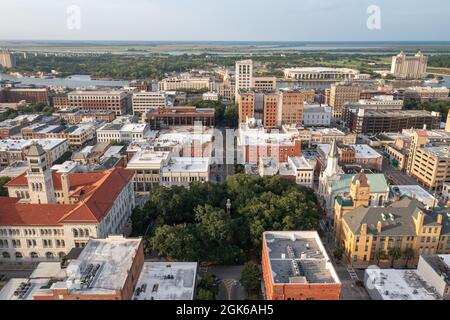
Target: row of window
{"x": 33, "y": 255}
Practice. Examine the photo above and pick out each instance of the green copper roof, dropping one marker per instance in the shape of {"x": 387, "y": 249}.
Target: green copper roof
{"x": 377, "y": 182}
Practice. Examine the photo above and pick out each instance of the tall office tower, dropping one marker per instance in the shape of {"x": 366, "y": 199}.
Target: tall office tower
{"x": 7, "y": 59}
{"x": 342, "y": 93}
{"x": 409, "y": 67}
{"x": 246, "y": 104}
{"x": 291, "y": 109}
{"x": 271, "y": 115}
{"x": 244, "y": 76}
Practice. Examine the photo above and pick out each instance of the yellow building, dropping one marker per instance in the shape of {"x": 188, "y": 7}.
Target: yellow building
{"x": 394, "y": 235}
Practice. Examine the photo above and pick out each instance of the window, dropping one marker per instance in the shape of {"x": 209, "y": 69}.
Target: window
{"x": 6, "y": 255}
{"x": 34, "y": 255}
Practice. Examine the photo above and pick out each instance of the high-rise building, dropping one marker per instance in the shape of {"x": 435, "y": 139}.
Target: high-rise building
{"x": 244, "y": 75}
{"x": 292, "y": 104}
{"x": 340, "y": 94}
{"x": 113, "y": 100}
{"x": 144, "y": 101}
{"x": 270, "y": 114}
{"x": 264, "y": 83}
{"x": 409, "y": 67}
{"x": 7, "y": 59}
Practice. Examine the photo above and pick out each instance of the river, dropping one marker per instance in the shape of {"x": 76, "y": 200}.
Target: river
{"x": 74, "y": 81}
{"x": 84, "y": 81}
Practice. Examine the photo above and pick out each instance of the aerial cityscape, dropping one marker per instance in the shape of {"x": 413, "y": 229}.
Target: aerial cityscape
{"x": 241, "y": 167}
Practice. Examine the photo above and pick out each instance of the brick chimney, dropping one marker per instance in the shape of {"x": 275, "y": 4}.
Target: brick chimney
{"x": 379, "y": 226}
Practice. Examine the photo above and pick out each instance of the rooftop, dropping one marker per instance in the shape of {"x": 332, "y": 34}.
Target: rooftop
{"x": 298, "y": 257}
{"x": 393, "y": 284}
{"x": 187, "y": 164}
{"x": 167, "y": 281}
{"x": 364, "y": 151}
{"x": 415, "y": 191}
{"x": 102, "y": 267}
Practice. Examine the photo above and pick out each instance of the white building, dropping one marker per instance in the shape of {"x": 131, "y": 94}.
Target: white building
{"x": 184, "y": 83}
{"x": 123, "y": 133}
{"x": 430, "y": 281}
{"x": 153, "y": 168}
{"x": 51, "y": 213}
{"x": 210, "y": 96}
{"x": 144, "y": 101}
{"x": 316, "y": 115}
{"x": 244, "y": 75}
{"x": 181, "y": 171}
{"x": 303, "y": 171}
{"x": 16, "y": 150}
{"x": 179, "y": 287}
{"x": 409, "y": 67}
{"x": 147, "y": 166}
{"x": 321, "y": 74}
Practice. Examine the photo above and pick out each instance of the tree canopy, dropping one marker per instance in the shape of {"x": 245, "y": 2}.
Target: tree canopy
{"x": 194, "y": 225}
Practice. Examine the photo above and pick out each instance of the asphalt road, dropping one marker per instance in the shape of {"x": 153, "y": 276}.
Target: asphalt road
{"x": 396, "y": 175}
{"x": 230, "y": 288}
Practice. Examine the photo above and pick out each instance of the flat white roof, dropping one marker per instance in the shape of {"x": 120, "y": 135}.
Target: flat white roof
{"x": 394, "y": 284}
{"x": 187, "y": 164}
{"x": 109, "y": 260}
{"x": 167, "y": 281}
{"x": 364, "y": 151}
{"x": 148, "y": 158}
{"x": 418, "y": 192}
{"x": 46, "y": 144}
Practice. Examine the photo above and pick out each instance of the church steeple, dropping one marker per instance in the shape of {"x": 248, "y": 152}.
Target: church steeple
{"x": 332, "y": 161}
{"x": 39, "y": 176}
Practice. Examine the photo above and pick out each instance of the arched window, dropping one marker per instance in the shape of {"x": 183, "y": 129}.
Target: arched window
{"x": 49, "y": 255}
{"x": 81, "y": 233}
{"x": 34, "y": 255}
{"x": 19, "y": 255}
{"x": 75, "y": 233}
{"x": 17, "y": 194}
{"x": 86, "y": 232}
{"x": 380, "y": 201}
{"x": 40, "y": 186}
{"x": 6, "y": 255}
{"x": 61, "y": 255}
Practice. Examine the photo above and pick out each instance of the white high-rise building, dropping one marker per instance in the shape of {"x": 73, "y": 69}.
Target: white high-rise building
{"x": 409, "y": 67}
{"x": 7, "y": 59}
{"x": 244, "y": 75}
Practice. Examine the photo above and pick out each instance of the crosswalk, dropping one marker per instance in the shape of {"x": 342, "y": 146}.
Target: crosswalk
{"x": 352, "y": 273}
{"x": 229, "y": 284}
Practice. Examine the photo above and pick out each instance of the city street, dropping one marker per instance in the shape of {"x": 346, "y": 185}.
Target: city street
{"x": 230, "y": 288}
{"x": 398, "y": 177}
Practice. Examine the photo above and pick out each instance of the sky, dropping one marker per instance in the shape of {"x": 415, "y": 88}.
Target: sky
{"x": 224, "y": 20}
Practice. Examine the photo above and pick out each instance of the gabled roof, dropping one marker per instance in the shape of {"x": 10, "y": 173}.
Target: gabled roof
{"x": 398, "y": 219}
{"x": 96, "y": 199}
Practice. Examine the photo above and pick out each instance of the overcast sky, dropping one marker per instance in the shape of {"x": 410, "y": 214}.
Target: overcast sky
{"x": 246, "y": 20}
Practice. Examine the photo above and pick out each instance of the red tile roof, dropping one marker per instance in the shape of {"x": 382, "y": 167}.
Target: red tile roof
{"x": 97, "y": 198}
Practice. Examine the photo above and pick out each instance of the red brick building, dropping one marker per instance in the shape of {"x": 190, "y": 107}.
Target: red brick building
{"x": 180, "y": 116}
{"x": 296, "y": 267}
